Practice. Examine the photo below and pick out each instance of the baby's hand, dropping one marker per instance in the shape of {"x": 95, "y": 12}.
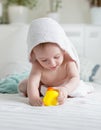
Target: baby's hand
{"x": 37, "y": 102}
{"x": 63, "y": 94}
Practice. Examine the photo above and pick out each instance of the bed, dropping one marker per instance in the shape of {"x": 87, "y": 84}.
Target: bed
{"x": 81, "y": 113}
{"x": 75, "y": 114}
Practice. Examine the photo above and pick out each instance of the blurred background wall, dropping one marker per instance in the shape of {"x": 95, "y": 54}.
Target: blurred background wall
{"x": 72, "y": 11}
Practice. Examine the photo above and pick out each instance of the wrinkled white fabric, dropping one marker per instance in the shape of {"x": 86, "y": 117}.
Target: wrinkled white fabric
{"x": 82, "y": 90}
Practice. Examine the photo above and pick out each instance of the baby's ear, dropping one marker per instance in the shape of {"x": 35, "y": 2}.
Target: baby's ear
{"x": 67, "y": 56}
{"x": 64, "y": 52}
{"x": 32, "y": 57}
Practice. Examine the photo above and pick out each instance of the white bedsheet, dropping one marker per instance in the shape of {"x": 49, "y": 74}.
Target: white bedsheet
{"x": 75, "y": 114}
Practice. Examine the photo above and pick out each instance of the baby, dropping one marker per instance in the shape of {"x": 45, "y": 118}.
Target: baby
{"x": 54, "y": 62}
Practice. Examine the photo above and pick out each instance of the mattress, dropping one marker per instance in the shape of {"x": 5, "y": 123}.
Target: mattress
{"x": 82, "y": 113}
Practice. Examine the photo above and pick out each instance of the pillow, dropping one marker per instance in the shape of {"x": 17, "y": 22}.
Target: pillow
{"x": 89, "y": 70}
{"x": 13, "y": 49}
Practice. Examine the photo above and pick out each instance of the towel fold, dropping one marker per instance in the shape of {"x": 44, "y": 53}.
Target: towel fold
{"x": 81, "y": 91}
{"x": 10, "y": 83}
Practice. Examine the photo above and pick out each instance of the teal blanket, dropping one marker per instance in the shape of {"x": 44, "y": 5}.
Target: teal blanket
{"x": 10, "y": 83}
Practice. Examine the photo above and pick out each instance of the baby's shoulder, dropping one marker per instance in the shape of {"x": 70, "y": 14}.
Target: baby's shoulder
{"x": 36, "y": 66}
{"x": 70, "y": 64}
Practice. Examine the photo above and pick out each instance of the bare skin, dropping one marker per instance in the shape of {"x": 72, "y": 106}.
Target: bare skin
{"x": 51, "y": 66}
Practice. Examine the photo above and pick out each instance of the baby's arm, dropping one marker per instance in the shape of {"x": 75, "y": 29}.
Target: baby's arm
{"x": 73, "y": 75}
{"x": 70, "y": 84}
{"x": 33, "y": 86}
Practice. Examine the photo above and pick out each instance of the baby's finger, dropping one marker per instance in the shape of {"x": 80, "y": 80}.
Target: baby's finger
{"x": 38, "y": 102}
{"x": 60, "y": 98}
{"x": 61, "y": 101}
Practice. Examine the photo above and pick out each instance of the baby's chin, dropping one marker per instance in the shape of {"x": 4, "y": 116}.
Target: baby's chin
{"x": 53, "y": 68}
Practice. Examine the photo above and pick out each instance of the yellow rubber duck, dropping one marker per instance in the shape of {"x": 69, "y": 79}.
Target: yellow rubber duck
{"x": 50, "y": 98}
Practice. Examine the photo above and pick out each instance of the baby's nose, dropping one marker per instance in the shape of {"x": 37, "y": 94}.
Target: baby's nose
{"x": 52, "y": 63}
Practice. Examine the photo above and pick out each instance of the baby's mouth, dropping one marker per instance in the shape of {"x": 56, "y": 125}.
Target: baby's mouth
{"x": 53, "y": 68}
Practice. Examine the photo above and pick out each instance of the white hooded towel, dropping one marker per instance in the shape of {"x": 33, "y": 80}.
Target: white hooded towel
{"x": 48, "y": 30}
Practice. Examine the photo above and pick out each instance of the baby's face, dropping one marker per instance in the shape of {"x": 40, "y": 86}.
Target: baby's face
{"x": 50, "y": 57}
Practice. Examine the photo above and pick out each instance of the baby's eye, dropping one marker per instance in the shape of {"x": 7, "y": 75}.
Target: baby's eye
{"x": 44, "y": 60}
{"x": 57, "y": 57}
